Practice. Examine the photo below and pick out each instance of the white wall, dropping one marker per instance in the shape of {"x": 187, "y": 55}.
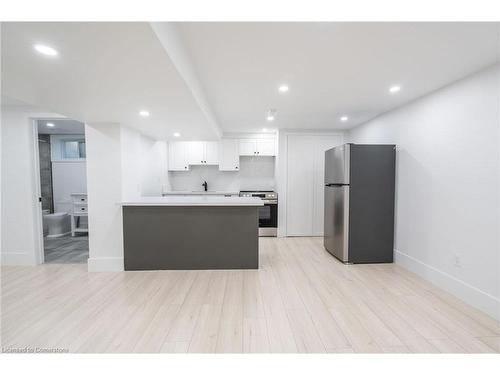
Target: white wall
{"x": 104, "y": 187}
{"x": 255, "y": 173}
{"x": 143, "y": 164}
{"x": 153, "y": 166}
{"x": 20, "y": 215}
{"x": 18, "y": 189}
{"x": 447, "y": 187}
{"x": 122, "y": 164}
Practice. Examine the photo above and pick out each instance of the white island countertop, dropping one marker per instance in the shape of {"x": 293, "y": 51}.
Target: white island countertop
{"x": 205, "y": 200}
{"x": 200, "y": 192}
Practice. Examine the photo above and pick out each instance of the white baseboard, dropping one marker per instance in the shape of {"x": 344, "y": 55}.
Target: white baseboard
{"x": 466, "y": 292}
{"x": 105, "y": 264}
{"x": 17, "y": 259}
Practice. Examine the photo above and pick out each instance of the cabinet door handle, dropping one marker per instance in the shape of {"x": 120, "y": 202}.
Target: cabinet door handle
{"x": 236, "y": 167}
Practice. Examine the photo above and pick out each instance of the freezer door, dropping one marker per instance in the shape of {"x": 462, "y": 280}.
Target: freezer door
{"x": 336, "y": 236}
{"x": 337, "y": 161}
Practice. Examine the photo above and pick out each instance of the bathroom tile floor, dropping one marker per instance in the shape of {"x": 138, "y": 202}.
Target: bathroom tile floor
{"x": 67, "y": 249}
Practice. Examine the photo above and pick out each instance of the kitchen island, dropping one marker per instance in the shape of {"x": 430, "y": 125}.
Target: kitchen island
{"x": 191, "y": 232}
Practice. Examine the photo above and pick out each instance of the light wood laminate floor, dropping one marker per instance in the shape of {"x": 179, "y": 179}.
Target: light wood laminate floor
{"x": 300, "y": 300}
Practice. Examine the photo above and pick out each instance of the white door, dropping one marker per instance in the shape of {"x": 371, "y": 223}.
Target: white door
{"x": 177, "y": 156}
{"x": 265, "y": 147}
{"x": 299, "y": 209}
{"x": 305, "y": 183}
{"x": 196, "y": 153}
{"x": 247, "y": 147}
{"x": 211, "y": 152}
{"x": 229, "y": 157}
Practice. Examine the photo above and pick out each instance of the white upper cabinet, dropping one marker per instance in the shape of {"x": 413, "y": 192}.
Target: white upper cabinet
{"x": 201, "y": 153}
{"x": 257, "y": 147}
{"x": 247, "y": 147}
{"x": 211, "y": 152}
{"x": 225, "y": 153}
{"x": 177, "y": 156}
{"x": 196, "y": 153}
{"x": 265, "y": 147}
{"x": 229, "y": 157}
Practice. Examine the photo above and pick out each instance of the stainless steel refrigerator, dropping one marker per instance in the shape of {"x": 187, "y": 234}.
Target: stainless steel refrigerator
{"x": 359, "y": 202}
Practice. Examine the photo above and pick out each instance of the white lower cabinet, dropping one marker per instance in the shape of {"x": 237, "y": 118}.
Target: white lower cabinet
{"x": 229, "y": 157}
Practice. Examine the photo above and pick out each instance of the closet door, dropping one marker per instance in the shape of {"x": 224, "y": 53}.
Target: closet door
{"x": 299, "y": 209}
{"x": 305, "y": 183}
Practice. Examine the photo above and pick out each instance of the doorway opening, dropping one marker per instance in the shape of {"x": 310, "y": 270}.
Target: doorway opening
{"x": 63, "y": 190}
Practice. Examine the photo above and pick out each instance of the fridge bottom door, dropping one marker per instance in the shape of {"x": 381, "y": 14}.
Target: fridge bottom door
{"x": 337, "y": 221}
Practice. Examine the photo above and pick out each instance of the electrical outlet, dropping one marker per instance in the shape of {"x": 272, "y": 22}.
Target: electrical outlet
{"x": 457, "y": 261}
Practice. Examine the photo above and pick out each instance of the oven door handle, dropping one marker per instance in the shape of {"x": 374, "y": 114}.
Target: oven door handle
{"x": 273, "y": 201}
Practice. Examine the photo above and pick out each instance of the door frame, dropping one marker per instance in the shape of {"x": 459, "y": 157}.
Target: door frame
{"x": 37, "y": 211}
{"x": 282, "y": 166}
{"x": 38, "y": 215}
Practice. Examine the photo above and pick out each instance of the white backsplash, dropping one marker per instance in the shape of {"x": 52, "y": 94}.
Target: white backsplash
{"x": 256, "y": 173}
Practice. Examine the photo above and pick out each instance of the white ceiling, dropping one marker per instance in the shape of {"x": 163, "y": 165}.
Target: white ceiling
{"x": 332, "y": 68}
{"x": 65, "y": 126}
{"x": 105, "y": 72}
{"x": 196, "y": 78}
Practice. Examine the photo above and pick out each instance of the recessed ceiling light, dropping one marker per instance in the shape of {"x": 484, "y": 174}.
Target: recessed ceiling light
{"x": 50, "y": 125}
{"x": 394, "y": 89}
{"x": 344, "y": 118}
{"x": 283, "y": 88}
{"x": 45, "y": 50}
{"x": 144, "y": 113}
{"x": 270, "y": 114}
{"x": 177, "y": 134}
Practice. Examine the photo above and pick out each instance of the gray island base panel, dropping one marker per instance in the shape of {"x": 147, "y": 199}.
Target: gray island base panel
{"x": 190, "y": 237}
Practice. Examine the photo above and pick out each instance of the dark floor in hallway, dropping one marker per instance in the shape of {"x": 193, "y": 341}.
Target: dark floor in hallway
{"x": 67, "y": 249}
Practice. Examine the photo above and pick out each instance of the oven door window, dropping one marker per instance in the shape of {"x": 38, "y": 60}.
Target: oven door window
{"x": 268, "y": 216}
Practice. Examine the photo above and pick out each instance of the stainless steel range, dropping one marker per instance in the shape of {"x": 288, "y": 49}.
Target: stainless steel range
{"x": 268, "y": 214}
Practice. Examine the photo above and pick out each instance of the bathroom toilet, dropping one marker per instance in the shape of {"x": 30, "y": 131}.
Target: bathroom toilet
{"x": 57, "y": 224}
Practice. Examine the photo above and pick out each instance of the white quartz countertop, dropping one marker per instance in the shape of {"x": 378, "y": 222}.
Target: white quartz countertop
{"x": 201, "y": 192}
{"x": 194, "y": 200}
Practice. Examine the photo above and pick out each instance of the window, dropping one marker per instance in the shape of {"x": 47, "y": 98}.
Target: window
{"x": 74, "y": 149}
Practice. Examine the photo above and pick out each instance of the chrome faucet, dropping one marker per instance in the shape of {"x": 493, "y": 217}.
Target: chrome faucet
{"x": 205, "y": 185}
